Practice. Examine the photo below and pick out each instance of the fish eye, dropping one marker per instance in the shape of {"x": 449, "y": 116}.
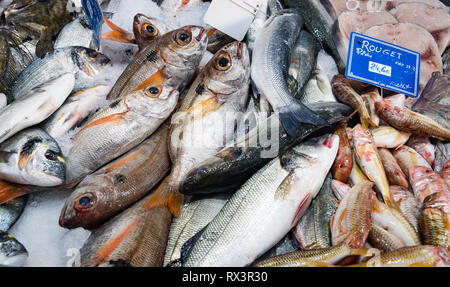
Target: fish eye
{"x": 84, "y": 202}
{"x": 92, "y": 53}
{"x": 51, "y": 155}
{"x": 183, "y": 38}
{"x": 149, "y": 28}
{"x": 153, "y": 92}
{"x": 427, "y": 171}
{"x": 223, "y": 62}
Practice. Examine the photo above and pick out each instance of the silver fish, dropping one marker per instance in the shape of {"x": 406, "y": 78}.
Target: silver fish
{"x": 76, "y": 33}
{"x": 12, "y": 252}
{"x": 11, "y": 211}
{"x": 318, "y": 89}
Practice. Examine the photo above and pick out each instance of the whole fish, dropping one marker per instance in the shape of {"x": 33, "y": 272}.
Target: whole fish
{"x": 133, "y": 238}
{"x": 10, "y": 212}
{"x": 393, "y": 170}
{"x": 303, "y": 60}
{"x": 343, "y": 163}
{"x": 241, "y": 160}
{"x": 12, "y": 252}
{"x": 317, "y": 89}
{"x": 32, "y": 157}
{"x": 176, "y": 53}
{"x": 313, "y": 229}
{"x": 352, "y": 221}
{"x": 406, "y": 120}
{"x": 407, "y": 158}
{"x": 435, "y": 219}
{"x": 245, "y": 228}
{"x": 312, "y": 257}
{"x": 446, "y": 172}
{"x": 83, "y": 62}
{"x": 340, "y": 189}
{"x": 76, "y": 33}
{"x": 94, "y": 14}
{"x": 270, "y": 60}
{"x": 424, "y": 147}
{"x": 36, "y": 106}
{"x": 369, "y": 160}
{"x": 195, "y": 215}
{"x": 118, "y": 184}
{"x": 425, "y": 182}
{"x": 408, "y": 204}
{"x": 346, "y": 94}
{"x": 206, "y": 118}
{"x": 413, "y": 256}
{"x": 127, "y": 121}
{"x": 442, "y": 156}
{"x": 388, "y": 137}
{"x": 74, "y": 110}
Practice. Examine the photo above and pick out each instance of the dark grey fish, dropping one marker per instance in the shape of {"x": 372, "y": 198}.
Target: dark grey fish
{"x": 12, "y": 252}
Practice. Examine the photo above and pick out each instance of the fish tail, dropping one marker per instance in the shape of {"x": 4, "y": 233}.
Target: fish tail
{"x": 117, "y": 34}
{"x": 9, "y": 192}
{"x": 166, "y": 195}
{"x": 291, "y": 116}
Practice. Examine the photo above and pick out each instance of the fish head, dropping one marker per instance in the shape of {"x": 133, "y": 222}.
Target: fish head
{"x": 89, "y": 61}
{"x": 229, "y": 70}
{"x": 43, "y": 162}
{"x": 386, "y": 110}
{"x": 421, "y": 175}
{"x": 184, "y": 47}
{"x": 361, "y": 136}
{"x": 147, "y": 28}
{"x": 12, "y": 252}
{"x": 441, "y": 258}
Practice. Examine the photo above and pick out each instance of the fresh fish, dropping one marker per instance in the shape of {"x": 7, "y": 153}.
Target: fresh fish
{"x": 176, "y": 54}
{"x": 393, "y": 170}
{"x": 352, "y": 221}
{"x": 408, "y": 158}
{"x": 256, "y": 26}
{"x": 217, "y": 40}
{"x": 312, "y": 257}
{"x": 270, "y": 66}
{"x": 276, "y": 6}
{"x": 303, "y": 60}
{"x": 320, "y": 24}
{"x": 388, "y": 137}
{"x": 12, "y": 252}
{"x": 245, "y": 228}
{"x": 442, "y": 156}
{"x": 357, "y": 175}
{"x": 317, "y": 89}
{"x": 346, "y": 94}
{"x": 383, "y": 239}
{"x": 74, "y": 110}
{"x": 127, "y": 121}
{"x": 241, "y": 160}
{"x": 94, "y": 14}
{"x": 396, "y": 100}
{"x": 369, "y": 160}
{"x": 370, "y": 97}
{"x": 434, "y": 101}
{"x": 206, "y": 118}
{"x": 424, "y": 147}
{"x": 413, "y": 256}
{"x": 313, "y": 229}
{"x": 117, "y": 185}
{"x": 425, "y": 182}
{"x": 343, "y": 163}
{"x": 32, "y": 157}
{"x": 195, "y": 215}
{"x": 394, "y": 222}
{"x": 133, "y": 238}
{"x": 76, "y": 33}
{"x": 10, "y": 212}
{"x": 446, "y": 172}
{"x": 435, "y": 220}
{"x": 408, "y": 204}
{"x": 3, "y": 100}
{"x": 83, "y": 62}
{"x": 36, "y": 106}
{"x": 339, "y": 188}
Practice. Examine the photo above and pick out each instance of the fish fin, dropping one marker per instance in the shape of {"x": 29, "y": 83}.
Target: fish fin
{"x": 10, "y": 191}
{"x": 293, "y": 115}
{"x": 117, "y": 34}
{"x": 157, "y": 78}
{"x": 94, "y": 14}
{"x": 187, "y": 246}
{"x": 166, "y": 195}
{"x": 209, "y": 105}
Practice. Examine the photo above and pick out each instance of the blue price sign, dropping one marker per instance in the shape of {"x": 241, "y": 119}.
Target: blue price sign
{"x": 383, "y": 64}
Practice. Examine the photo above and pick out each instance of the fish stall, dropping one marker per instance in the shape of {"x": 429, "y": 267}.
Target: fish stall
{"x": 166, "y": 133}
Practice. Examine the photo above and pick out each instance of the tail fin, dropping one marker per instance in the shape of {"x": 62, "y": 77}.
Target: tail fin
{"x": 117, "y": 34}
{"x": 9, "y": 191}
{"x": 166, "y": 195}
{"x": 291, "y": 116}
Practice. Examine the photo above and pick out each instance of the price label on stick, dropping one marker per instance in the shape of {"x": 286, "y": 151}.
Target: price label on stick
{"x": 383, "y": 64}
{"x": 232, "y": 17}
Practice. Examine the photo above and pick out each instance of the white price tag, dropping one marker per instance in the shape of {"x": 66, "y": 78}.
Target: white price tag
{"x": 232, "y": 17}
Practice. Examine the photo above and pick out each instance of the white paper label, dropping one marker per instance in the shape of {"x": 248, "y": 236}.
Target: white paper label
{"x": 380, "y": 69}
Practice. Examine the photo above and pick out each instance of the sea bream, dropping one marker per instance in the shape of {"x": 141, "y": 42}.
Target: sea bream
{"x": 270, "y": 59}
{"x": 11, "y": 211}
{"x": 127, "y": 121}
{"x": 266, "y": 207}
{"x": 12, "y": 252}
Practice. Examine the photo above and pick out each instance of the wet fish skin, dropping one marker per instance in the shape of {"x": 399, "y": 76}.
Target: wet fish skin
{"x": 393, "y": 171}
{"x": 36, "y": 106}
{"x": 343, "y": 164}
{"x": 425, "y": 182}
{"x": 384, "y": 240}
{"x": 76, "y": 33}
{"x": 317, "y": 89}
{"x": 195, "y": 215}
{"x": 158, "y": 55}
{"x": 435, "y": 219}
{"x": 388, "y": 137}
{"x": 442, "y": 156}
{"x": 146, "y": 29}
{"x": 408, "y": 204}
{"x": 339, "y": 188}
{"x": 240, "y": 228}
{"x": 241, "y": 161}
{"x": 357, "y": 175}
{"x": 10, "y": 212}
{"x": 408, "y": 158}
{"x": 424, "y": 147}
{"x": 270, "y": 60}
{"x": 406, "y": 120}
{"x": 12, "y": 252}
{"x": 32, "y": 157}
{"x": 74, "y": 110}
{"x": 83, "y": 62}
{"x": 117, "y": 185}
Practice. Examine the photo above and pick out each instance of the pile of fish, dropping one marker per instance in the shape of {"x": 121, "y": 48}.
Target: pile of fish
{"x": 207, "y": 151}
